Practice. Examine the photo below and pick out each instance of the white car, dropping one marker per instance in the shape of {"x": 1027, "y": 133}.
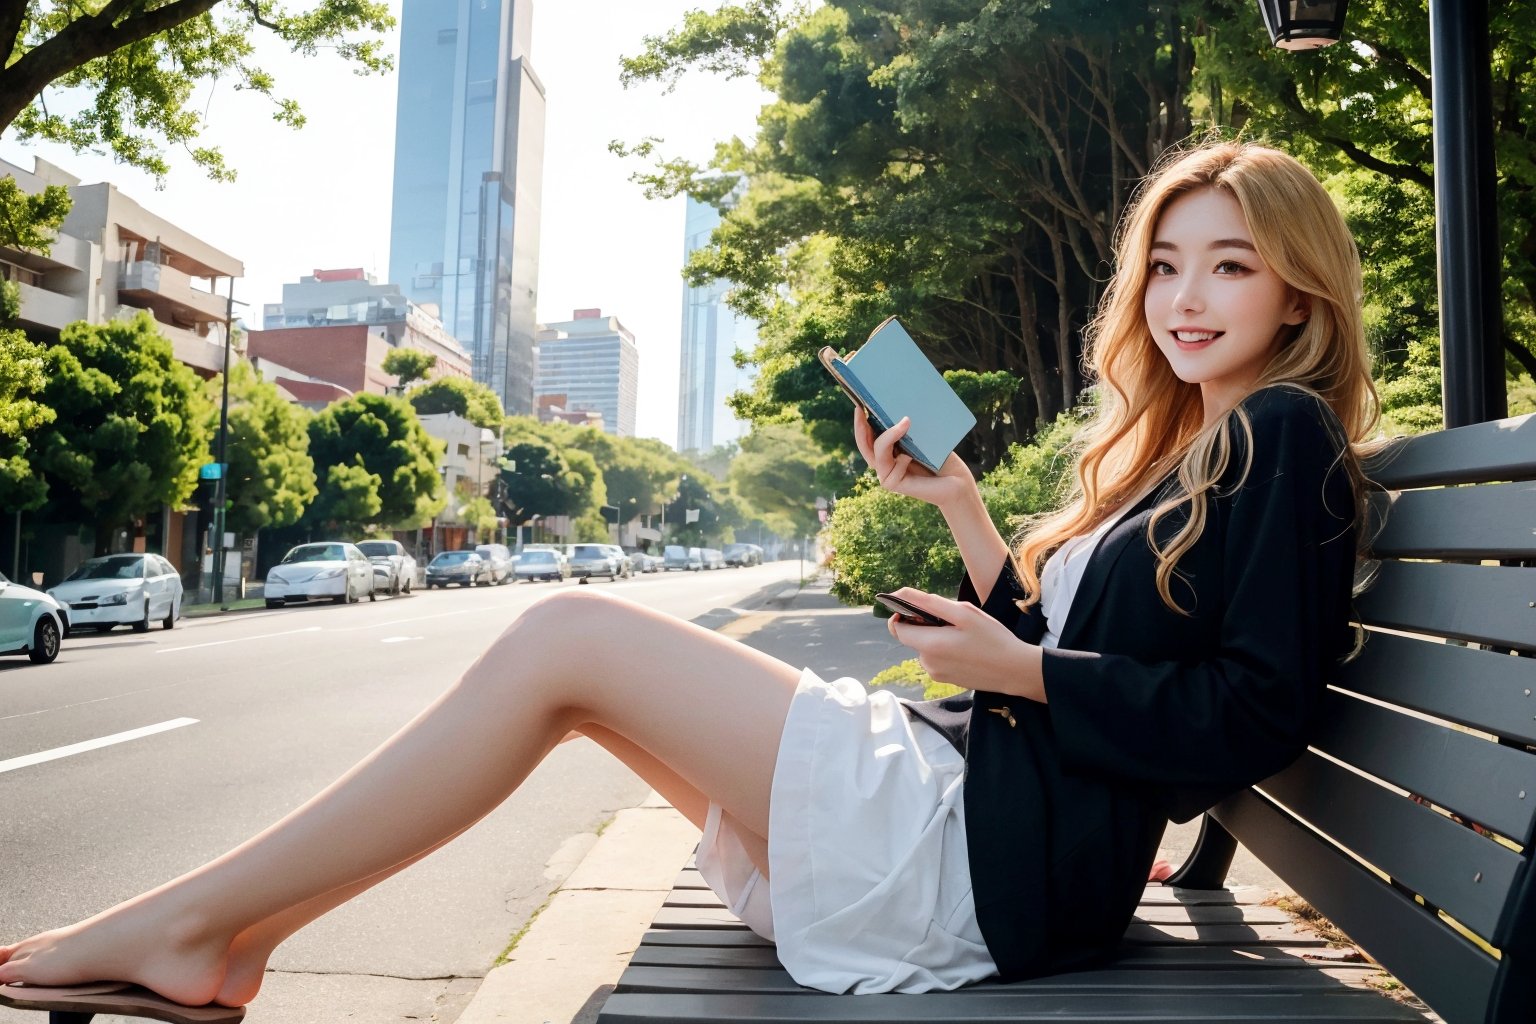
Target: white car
{"x": 329, "y": 569}
{"x": 31, "y": 622}
{"x": 394, "y": 566}
{"x": 127, "y": 589}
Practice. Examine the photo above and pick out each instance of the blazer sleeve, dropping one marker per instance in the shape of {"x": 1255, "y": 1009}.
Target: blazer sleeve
{"x": 1000, "y": 599}
{"x": 1236, "y": 714}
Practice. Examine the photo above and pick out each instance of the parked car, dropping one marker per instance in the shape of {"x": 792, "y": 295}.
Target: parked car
{"x": 621, "y": 557}
{"x": 589, "y": 560}
{"x": 128, "y": 589}
{"x": 31, "y": 622}
{"x": 743, "y": 554}
{"x": 327, "y": 569}
{"x": 713, "y": 559}
{"x": 645, "y": 561}
{"x": 542, "y": 564}
{"x": 675, "y": 556}
{"x": 466, "y": 568}
{"x": 499, "y": 558}
{"x": 394, "y": 568}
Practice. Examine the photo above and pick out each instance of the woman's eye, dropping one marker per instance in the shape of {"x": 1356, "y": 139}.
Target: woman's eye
{"x": 1161, "y": 269}
{"x": 1230, "y": 267}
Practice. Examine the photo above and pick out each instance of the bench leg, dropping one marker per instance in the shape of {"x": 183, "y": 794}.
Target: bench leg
{"x": 1208, "y": 865}
{"x": 63, "y": 1017}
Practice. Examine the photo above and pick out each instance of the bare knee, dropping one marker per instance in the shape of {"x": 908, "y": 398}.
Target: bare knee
{"x": 554, "y": 645}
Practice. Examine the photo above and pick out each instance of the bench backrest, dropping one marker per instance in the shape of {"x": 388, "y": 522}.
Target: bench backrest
{"x": 1430, "y": 732}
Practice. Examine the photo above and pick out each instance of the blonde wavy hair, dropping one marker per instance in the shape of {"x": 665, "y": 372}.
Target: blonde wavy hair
{"x": 1150, "y": 423}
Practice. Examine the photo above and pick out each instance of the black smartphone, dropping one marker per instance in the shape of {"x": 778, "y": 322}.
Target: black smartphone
{"x": 909, "y": 611}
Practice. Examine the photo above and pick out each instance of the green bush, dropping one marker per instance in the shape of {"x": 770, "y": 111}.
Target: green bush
{"x": 910, "y": 673}
{"x": 884, "y": 541}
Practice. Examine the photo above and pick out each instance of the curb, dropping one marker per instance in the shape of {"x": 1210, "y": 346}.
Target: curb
{"x": 567, "y": 961}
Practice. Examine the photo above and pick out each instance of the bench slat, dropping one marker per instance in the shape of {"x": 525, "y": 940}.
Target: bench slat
{"x": 657, "y": 951}
{"x": 1465, "y": 874}
{"x": 1485, "y": 604}
{"x": 1478, "y": 779}
{"x": 1492, "y": 521}
{"x": 1017, "y": 1003}
{"x": 701, "y": 978}
{"x": 1438, "y": 965}
{"x": 1481, "y": 689}
{"x": 1477, "y": 453}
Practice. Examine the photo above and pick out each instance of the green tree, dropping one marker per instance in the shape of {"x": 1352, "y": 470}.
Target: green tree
{"x": 469, "y": 399}
{"x": 408, "y": 365}
{"x": 776, "y": 473}
{"x": 27, "y": 223}
{"x": 271, "y": 477}
{"x": 376, "y": 465}
{"x": 542, "y": 484}
{"x": 131, "y": 426}
{"x": 960, "y": 163}
{"x": 125, "y": 71}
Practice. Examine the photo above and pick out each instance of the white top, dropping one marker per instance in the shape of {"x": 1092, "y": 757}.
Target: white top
{"x": 1064, "y": 570}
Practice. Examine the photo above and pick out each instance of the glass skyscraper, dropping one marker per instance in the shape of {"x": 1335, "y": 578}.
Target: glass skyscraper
{"x": 469, "y": 155}
{"x": 712, "y": 332}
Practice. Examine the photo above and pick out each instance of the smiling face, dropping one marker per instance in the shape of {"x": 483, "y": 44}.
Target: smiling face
{"x": 1215, "y": 309}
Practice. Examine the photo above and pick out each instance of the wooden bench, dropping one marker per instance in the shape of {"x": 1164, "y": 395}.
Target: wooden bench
{"x": 1408, "y": 824}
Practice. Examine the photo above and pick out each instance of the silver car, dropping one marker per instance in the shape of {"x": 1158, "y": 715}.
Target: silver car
{"x": 499, "y": 558}
{"x": 333, "y": 570}
{"x": 589, "y": 560}
{"x": 466, "y": 568}
{"x": 31, "y": 622}
{"x": 542, "y": 564}
{"x": 394, "y": 568}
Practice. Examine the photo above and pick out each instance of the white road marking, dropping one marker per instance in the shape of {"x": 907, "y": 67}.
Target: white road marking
{"x": 79, "y": 748}
{"x": 240, "y": 639}
{"x": 399, "y": 639}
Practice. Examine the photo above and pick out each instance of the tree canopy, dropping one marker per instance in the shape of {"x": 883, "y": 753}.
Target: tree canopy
{"x": 123, "y": 74}
{"x": 470, "y": 399}
{"x": 376, "y": 465}
{"x": 408, "y": 365}
{"x": 271, "y": 478}
{"x": 131, "y": 427}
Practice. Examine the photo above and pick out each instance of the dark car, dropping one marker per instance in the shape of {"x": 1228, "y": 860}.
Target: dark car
{"x": 462, "y": 567}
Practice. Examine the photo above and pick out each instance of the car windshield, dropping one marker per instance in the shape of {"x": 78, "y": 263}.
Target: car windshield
{"x": 315, "y": 553}
{"x": 590, "y": 551}
{"x": 536, "y": 556}
{"x": 112, "y": 567}
{"x": 451, "y": 558}
{"x": 673, "y": 551}
{"x": 486, "y": 552}
{"x": 375, "y": 548}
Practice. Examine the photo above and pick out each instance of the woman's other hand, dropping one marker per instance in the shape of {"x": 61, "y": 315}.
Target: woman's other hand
{"x": 900, "y": 474}
{"x": 975, "y": 651}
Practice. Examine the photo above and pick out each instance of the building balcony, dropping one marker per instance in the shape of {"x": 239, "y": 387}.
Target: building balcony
{"x": 204, "y": 353}
{"x": 169, "y": 294}
{"x": 42, "y": 308}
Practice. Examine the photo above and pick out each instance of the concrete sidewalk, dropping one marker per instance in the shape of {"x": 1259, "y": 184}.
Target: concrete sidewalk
{"x": 571, "y": 955}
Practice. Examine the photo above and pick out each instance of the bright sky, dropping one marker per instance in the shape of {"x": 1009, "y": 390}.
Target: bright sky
{"x": 319, "y": 197}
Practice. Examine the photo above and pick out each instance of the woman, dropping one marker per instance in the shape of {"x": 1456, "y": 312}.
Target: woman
{"x": 1207, "y": 556}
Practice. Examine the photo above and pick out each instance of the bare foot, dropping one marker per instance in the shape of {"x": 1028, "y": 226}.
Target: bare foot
{"x": 127, "y": 943}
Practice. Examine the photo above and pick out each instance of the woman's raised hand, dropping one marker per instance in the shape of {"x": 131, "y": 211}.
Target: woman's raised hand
{"x": 898, "y": 472}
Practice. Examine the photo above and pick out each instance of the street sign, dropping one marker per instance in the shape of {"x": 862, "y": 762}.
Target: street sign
{"x": 210, "y": 471}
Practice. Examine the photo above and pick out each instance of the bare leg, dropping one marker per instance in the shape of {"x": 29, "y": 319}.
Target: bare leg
{"x": 252, "y": 948}
{"x": 708, "y": 708}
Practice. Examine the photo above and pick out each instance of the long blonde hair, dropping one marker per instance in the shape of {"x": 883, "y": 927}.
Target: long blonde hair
{"x": 1149, "y": 422}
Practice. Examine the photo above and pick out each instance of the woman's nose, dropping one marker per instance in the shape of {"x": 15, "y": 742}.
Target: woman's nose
{"x": 1188, "y": 298}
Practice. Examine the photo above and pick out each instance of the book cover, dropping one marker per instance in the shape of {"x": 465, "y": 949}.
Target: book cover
{"x": 891, "y": 378}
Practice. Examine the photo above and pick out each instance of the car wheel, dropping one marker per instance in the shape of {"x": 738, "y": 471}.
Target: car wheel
{"x": 105, "y": 627}
{"x": 169, "y": 622}
{"x": 45, "y": 641}
{"x": 274, "y": 604}
{"x": 142, "y": 626}
{"x": 345, "y": 597}
{"x": 373, "y": 593}
{"x": 405, "y": 586}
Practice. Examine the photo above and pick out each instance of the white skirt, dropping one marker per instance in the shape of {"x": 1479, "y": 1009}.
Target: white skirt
{"x": 869, "y": 888}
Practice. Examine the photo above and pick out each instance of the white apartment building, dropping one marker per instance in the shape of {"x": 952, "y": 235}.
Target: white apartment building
{"x": 592, "y": 361}
{"x": 112, "y": 259}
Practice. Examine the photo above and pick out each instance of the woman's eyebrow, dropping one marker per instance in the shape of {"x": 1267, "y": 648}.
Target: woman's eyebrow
{"x": 1220, "y": 243}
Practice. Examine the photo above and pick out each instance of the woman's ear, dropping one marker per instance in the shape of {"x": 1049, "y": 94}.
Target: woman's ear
{"x": 1301, "y": 309}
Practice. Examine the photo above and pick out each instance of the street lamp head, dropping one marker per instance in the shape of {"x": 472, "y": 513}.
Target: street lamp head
{"x": 1303, "y": 24}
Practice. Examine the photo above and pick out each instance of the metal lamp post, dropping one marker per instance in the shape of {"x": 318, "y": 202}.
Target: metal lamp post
{"x": 1303, "y": 24}
{"x": 221, "y": 487}
{"x": 1466, "y": 212}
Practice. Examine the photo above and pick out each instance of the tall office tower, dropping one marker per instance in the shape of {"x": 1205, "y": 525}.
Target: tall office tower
{"x": 590, "y": 362}
{"x": 712, "y": 332}
{"x": 469, "y": 156}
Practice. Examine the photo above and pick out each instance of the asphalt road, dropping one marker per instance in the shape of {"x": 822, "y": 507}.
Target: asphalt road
{"x": 224, "y": 724}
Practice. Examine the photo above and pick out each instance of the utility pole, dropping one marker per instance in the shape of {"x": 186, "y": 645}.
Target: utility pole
{"x": 221, "y": 489}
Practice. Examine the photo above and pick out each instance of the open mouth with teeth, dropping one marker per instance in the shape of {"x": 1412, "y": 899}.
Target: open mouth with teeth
{"x": 1196, "y": 339}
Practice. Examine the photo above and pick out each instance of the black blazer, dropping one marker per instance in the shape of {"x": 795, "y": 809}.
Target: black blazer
{"x": 1152, "y": 715}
